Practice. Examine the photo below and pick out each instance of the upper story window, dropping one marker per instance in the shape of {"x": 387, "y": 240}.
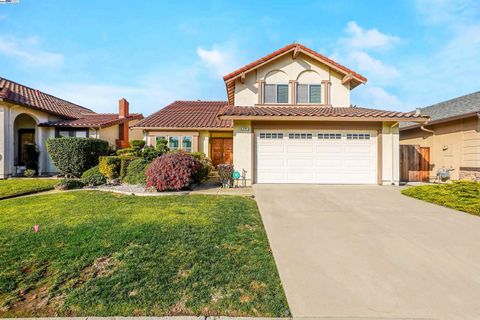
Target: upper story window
{"x": 275, "y": 93}
{"x": 309, "y": 93}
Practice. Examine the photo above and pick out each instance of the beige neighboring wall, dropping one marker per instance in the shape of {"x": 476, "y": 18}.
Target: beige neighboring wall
{"x": 455, "y": 144}
{"x": 243, "y": 153}
{"x": 284, "y": 69}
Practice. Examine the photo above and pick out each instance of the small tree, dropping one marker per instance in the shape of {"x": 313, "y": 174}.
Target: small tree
{"x": 73, "y": 156}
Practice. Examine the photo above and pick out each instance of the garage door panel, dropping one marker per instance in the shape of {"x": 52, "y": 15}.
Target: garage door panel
{"x": 269, "y": 149}
{"x": 292, "y": 149}
{"x": 299, "y": 162}
{"x": 317, "y": 160}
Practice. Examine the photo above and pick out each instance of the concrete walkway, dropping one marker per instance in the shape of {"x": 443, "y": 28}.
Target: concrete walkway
{"x": 352, "y": 252}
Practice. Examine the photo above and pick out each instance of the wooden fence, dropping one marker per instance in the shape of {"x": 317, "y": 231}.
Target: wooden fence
{"x": 414, "y": 163}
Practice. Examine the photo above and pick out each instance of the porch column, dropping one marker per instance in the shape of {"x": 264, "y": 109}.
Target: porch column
{"x": 390, "y": 153}
{"x": 243, "y": 149}
{"x": 3, "y": 137}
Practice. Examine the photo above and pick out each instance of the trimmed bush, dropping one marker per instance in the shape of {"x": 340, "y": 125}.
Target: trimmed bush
{"x": 206, "y": 166}
{"x": 110, "y": 167}
{"x": 173, "y": 171}
{"x": 225, "y": 172}
{"x": 29, "y": 173}
{"x": 68, "y": 184}
{"x": 73, "y": 156}
{"x": 93, "y": 177}
{"x": 124, "y": 163}
{"x": 137, "y": 144}
{"x": 129, "y": 152}
{"x": 150, "y": 153}
{"x": 136, "y": 172}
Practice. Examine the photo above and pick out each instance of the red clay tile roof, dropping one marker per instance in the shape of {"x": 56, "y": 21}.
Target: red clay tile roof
{"x": 291, "y": 47}
{"x": 311, "y": 111}
{"x": 274, "y": 54}
{"x": 188, "y": 114}
{"x": 99, "y": 120}
{"x": 11, "y": 91}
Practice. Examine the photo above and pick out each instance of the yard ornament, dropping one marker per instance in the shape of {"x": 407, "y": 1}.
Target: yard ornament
{"x": 36, "y": 228}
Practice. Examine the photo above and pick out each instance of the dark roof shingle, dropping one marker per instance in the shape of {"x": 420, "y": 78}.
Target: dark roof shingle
{"x": 93, "y": 120}
{"x": 188, "y": 114}
{"x": 17, "y": 93}
{"x": 464, "y": 105}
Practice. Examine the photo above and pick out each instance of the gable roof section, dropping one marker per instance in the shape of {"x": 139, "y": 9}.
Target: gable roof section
{"x": 14, "y": 92}
{"x": 306, "y": 113}
{"x": 457, "y": 108}
{"x": 188, "y": 115}
{"x": 98, "y": 120}
{"x": 230, "y": 78}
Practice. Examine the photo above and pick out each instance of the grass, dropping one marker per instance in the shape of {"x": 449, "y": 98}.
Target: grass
{"x": 104, "y": 254}
{"x": 460, "y": 195}
{"x": 16, "y": 187}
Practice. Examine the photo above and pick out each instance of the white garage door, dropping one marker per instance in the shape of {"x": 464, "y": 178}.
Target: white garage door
{"x": 331, "y": 157}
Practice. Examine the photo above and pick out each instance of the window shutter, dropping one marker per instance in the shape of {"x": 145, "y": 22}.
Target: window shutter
{"x": 282, "y": 93}
{"x": 269, "y": 93}
{"x": 315, "y": 94}
{"x": 302, "y": 93}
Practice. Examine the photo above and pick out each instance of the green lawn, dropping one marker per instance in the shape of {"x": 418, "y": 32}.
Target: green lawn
{"x": 104, "y": 254}
{"x": 460, "y": 195}
{"x": 19, "y": 186}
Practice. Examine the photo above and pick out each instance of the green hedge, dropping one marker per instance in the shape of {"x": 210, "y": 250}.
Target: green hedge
{"x": 136, "y": 172}
{"x": 124, "y": 163}
{"x": 73, "y": 156}
{"x": 93, "y": 177}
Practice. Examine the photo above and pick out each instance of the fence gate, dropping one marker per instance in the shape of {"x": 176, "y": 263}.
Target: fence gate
{"x": 414, "y": 163}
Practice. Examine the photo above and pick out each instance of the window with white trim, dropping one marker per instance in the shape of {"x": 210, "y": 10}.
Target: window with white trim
{"x": 275, "y": 93}
{"x": 358, "y": 136}
{"x": 300, "y": 136}
{"x": 309, "y": 93}
{"x": 174, "y": 143}
{"x": 329, "y": 136}
{"x": 271, "y": 135}
{"x": 187, "y": 143}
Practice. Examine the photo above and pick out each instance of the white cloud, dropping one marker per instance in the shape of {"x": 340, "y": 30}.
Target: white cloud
{"x": 374, "y": 67}
{"x": 220, "y": 59}
{"x": 376, "y": 97}
{"x": 28, "y": 52}
{"x": 361, "y": 38}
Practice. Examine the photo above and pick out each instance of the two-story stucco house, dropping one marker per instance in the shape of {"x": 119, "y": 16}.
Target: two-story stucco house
{"x": 29, "y": 116}
{"x": 288, "y": 119}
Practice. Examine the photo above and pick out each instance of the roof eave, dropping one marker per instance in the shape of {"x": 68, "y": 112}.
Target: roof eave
{"x": 444, "y": 120}
{"x": 314, "y": 118}
{"x": 184, "y": 128}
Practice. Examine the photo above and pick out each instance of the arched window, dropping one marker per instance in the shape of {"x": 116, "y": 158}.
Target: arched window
{"x": 275, "y": 87}
{"x": 309, "y": 88}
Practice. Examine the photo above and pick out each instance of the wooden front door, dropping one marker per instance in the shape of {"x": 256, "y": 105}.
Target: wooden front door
{"x": 222, "y": 151}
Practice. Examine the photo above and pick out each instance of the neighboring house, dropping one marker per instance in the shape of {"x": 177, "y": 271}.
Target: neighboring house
{"x": 288, "y": 119}
{"x": 452, "y": 134}
{"x": 29, "y": 116}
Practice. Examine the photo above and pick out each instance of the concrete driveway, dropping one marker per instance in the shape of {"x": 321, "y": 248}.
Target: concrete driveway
{"x": 368, "y": 252}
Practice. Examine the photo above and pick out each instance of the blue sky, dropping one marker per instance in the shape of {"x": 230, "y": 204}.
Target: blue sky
{"x": 414, "y": 53}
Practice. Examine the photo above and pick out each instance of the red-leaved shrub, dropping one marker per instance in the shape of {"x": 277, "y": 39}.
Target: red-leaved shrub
{"x": 172, "y": 171}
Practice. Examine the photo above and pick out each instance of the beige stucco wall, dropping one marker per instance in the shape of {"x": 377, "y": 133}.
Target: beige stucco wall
{"x": 243, "y": 155}
{"x": 109, "y": 134}
{"x": 390, "y": 151}
{"x": 453, "y": 144}
{"x": 280, "y": 71}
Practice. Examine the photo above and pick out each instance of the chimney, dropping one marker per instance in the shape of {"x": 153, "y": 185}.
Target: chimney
{"x": 123, "y": 108}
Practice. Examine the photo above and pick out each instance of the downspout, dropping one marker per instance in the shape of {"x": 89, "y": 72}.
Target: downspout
{"x": 393, "y": 152}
